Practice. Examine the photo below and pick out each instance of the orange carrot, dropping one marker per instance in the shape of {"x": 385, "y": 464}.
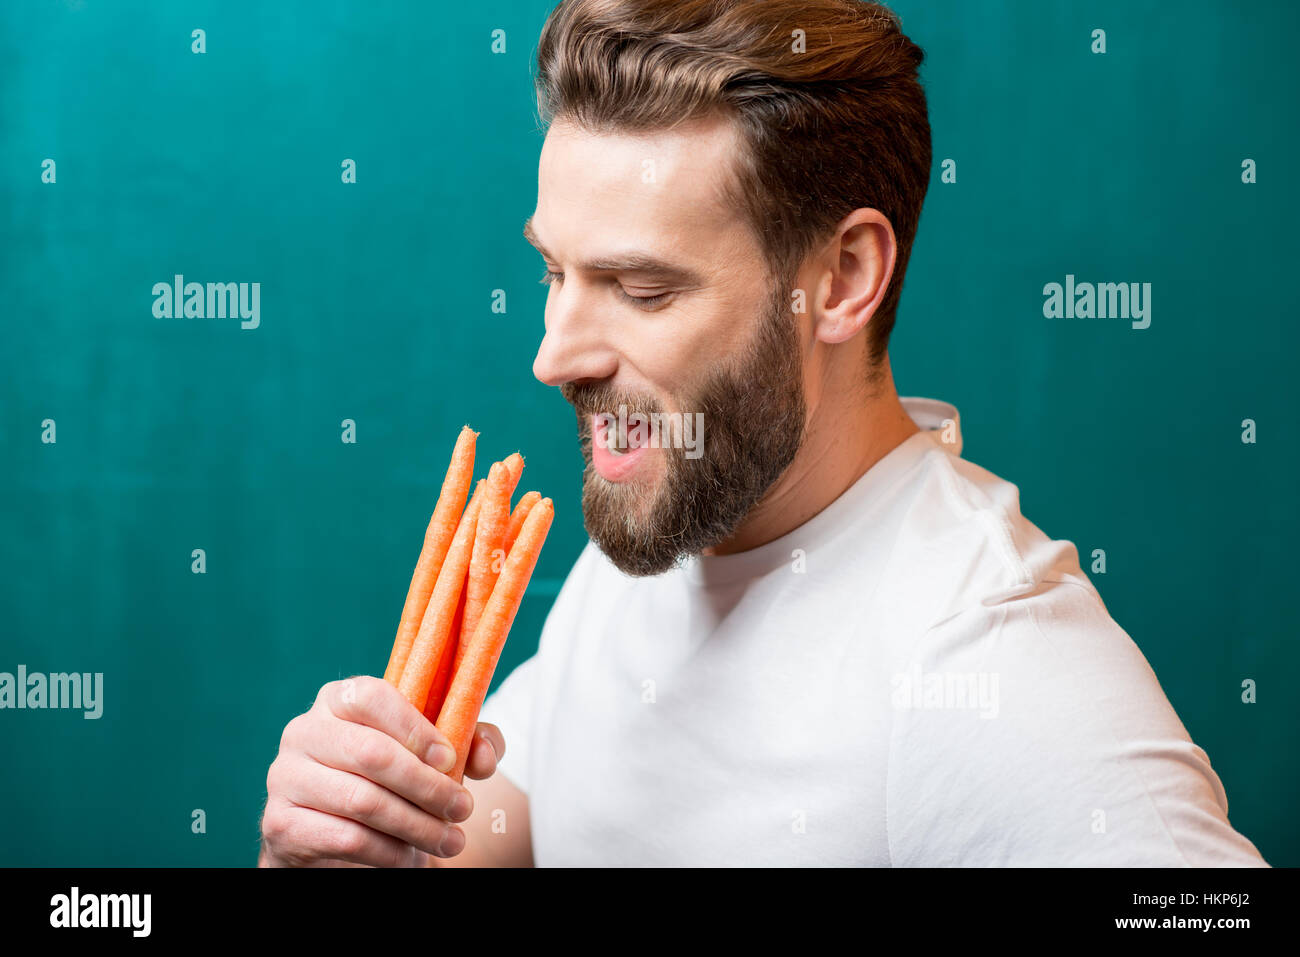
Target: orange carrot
{"x": 459, "y": 715}
{"x": 514, "y": 463}
{"x": 485, "y": 564}
{"x": 437, "y": 539}
{"x": 431, "y": 640}
{"x": 527, "y": 501}
{"x": 442, "y": 677}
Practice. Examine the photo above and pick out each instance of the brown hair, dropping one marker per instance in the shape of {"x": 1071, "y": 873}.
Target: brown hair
{"x": 838, "y": 126}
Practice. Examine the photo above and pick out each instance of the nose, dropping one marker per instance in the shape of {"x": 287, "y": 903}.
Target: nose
{"x": 576, "y": 345}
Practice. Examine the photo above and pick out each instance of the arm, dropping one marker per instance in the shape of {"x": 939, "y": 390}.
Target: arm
{"x": 1066, "y": 751}
{"x": 497, "y": 833}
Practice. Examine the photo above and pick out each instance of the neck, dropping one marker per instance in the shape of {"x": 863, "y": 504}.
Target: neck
{"x": 847, "y": 432}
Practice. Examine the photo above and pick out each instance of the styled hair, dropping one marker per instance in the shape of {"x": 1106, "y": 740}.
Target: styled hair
{"x": 825, "y": 94}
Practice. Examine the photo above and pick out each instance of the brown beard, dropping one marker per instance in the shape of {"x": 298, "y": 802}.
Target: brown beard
{"x": 754, "y": 412}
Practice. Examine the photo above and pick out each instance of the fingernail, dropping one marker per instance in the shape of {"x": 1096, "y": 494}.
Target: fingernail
{"x": 453, "y": 842}
{"x": 460, "y": 806}
{"x": 442, "y": 758}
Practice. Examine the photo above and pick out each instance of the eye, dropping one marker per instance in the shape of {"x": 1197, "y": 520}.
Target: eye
{"x": 643, "y": 302}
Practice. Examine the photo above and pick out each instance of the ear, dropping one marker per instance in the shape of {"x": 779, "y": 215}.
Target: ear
{"x": 859, "y": 261}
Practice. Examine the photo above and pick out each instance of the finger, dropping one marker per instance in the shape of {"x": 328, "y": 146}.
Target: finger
{"x": 337, "y": 863}
{"x": 321, "y": 840}
{"x": 360, "y": 749}
{"x": 372, "y": 701}
{"x": 494, "y": 735}
{"x": 484, "y": 753}
{"x": 351, "y": 796}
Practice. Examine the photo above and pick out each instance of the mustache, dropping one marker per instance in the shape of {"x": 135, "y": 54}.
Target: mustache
{"x": 590, "y": 399}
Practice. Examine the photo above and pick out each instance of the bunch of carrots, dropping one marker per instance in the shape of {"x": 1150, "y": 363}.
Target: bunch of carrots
{"x": 467, "y": 587}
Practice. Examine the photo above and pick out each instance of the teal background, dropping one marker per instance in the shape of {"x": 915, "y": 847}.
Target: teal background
{"x": 376, "y": 306}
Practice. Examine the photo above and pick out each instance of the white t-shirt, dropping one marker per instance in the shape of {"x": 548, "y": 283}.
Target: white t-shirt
{"x": 915, "y": 676}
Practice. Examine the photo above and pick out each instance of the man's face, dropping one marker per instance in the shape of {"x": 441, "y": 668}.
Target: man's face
{"x": 660, "y": 303}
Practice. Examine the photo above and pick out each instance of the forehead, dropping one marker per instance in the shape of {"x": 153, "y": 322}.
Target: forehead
{"x": 661, "y": 191}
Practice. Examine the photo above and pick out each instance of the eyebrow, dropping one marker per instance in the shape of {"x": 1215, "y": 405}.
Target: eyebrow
{"x": 644, "y": 264}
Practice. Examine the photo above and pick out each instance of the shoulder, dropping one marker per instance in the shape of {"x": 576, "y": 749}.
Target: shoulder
{"x": 978, "y": 514}
{"x": 961, "y": 543}
{"x": 1028, "y": 726}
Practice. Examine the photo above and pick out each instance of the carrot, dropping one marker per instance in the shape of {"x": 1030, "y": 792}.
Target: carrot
{"x": 431, "y": 640}
{"x": 527, "y": 501}
{"x": 485, "y": 564}
{"x": 459, "y": 715}
{"x": 437, "y": 539}
{"x": 514, "y": 463}
{"x": 442, "y": 677}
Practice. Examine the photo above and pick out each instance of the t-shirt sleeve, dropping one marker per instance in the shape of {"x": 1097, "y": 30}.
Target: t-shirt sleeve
{"x": 510, "y": 708}
{"x": 519, "y": 702}
{"x": 1033, "y": 732}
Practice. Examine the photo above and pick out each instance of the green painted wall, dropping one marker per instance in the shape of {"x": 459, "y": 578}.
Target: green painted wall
{"x": 376, "y": 302}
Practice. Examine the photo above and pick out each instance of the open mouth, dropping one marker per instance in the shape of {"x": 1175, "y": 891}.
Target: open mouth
{"x": 613, "y": 460}
{"x": 631, "y": 441}
{"x": 611, "y": 444}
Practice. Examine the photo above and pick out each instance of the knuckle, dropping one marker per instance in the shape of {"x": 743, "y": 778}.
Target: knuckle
{"x": 346, "y": 841}
{"x": 424, "y": 831}
{"x": 299, "y": 842}
{"x": 292, "y": 732}
{"x": 442, "y": 791}
{"x": 368, "y": 691}
{"x": 402, "y": 854}
{"x": 373, "y": 684}
{"x": 273, "y": 824}
{"x": 327, "y": 693}
{"x": 305, "y": 843}
{"x": 287, "y": 840}
{"x": 431, "y": 835}
{"x": 360, "y": 800}
{"x": 372, "y": 755}
{"x": 278, "y": 777}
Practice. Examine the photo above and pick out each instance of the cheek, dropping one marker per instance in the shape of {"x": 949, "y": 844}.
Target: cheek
{"x": 690, "y": 343}
{"x": 670, "y": 363}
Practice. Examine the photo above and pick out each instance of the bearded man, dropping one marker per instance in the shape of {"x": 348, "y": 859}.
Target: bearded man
{"x": 826, "y": 638}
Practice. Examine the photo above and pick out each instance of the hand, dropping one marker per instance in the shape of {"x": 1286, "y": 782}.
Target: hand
{"x": 360, "y": 780}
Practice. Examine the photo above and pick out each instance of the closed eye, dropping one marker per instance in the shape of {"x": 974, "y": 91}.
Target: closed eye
{"x": 642, "y": 302}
